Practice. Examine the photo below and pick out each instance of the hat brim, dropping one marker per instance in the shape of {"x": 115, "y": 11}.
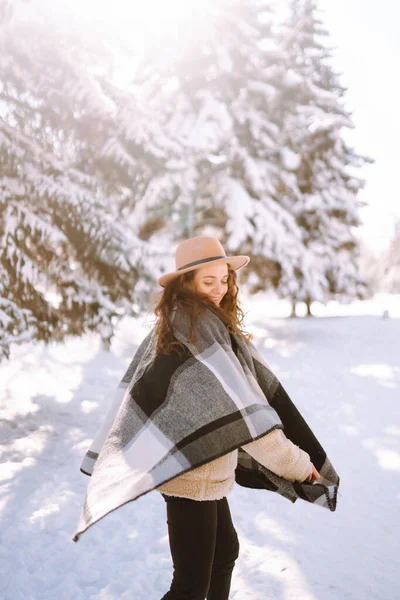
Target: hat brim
{"x": 235, "y": 262}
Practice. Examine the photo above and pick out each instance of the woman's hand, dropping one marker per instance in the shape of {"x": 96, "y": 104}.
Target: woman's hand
{"x": 314, "y": 475}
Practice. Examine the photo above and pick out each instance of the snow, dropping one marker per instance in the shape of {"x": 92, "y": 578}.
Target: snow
{"x": 290, "y": 160}
{"x": 210, "y": 124}
{"x": 238, "y": 209}
{"x": 341, "y": 369}
{"x": 270, "y": 48}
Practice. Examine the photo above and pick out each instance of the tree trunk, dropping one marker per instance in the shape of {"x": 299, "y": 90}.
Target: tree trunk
{"x": 308, "y": 304}
{"x": 293, "y": 314}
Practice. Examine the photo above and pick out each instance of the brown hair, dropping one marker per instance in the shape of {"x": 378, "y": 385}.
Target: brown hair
{"x": 180, "y": 293}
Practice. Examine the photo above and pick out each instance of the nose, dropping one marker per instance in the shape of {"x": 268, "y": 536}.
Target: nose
{"x": 218, "y": 289}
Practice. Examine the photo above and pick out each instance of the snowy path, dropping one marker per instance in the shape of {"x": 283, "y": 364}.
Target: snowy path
{"x": 342, "y": 372}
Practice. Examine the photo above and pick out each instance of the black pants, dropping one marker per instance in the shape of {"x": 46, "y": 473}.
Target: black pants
{"x": 204, "y": 546}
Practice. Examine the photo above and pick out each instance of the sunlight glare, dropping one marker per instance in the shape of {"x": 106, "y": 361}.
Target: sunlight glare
{"x": 139, "y": 19}
{"x": 388, "y": 459}
{"x": 88, "y": 406}
{"x": 9, "y": 469}
{"x": 44, "y": 512}
{"x": 386, "y": 375}
{"x": 268, "y": 525}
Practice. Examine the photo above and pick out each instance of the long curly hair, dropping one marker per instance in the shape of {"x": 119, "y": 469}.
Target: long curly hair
{"x": 180, "y": 293}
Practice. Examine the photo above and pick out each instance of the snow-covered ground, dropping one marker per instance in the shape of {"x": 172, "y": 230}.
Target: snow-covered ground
{"x": 342, "y": 370}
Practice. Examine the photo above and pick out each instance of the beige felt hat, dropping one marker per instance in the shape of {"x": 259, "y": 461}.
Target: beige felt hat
{"x": 198, "y": 252}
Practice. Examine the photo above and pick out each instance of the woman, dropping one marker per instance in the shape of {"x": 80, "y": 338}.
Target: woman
{"x": 197, "y": 410}
{"x": 203, "y": 541}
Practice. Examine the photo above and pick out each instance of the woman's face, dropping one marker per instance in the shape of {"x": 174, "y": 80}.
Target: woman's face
{"x": 212, "y": 280}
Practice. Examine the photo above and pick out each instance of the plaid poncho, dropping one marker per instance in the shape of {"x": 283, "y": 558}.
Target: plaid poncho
{"x": 175, "y": 412}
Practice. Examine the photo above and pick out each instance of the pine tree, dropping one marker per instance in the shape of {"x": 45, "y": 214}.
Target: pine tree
{"x": 265, "y": 165}
{"x": 323, "y": 199}
{"x": 69, "y": 261}
{"x": 226, "y": 90}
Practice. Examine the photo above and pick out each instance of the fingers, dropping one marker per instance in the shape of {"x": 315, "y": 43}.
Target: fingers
{"x": 314, "y": 475}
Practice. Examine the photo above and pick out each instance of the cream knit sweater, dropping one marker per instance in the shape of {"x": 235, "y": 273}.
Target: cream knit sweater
{"x": 215, "y": 479}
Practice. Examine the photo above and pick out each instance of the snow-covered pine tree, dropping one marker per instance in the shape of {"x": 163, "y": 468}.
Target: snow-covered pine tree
{"x": 323, "y": 198}
{"x": 226, "y": 89}
{"x": 68, "y": 260}
{"x": 261, "y": 132}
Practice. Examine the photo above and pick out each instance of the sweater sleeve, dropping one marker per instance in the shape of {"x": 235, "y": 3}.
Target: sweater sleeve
{"x": 276, "y": 452}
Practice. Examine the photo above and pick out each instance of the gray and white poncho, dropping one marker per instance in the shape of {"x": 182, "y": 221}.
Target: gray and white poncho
{"x": 175, "y": 412}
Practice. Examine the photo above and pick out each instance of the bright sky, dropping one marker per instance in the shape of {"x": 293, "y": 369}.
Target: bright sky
{"x": 366, "y": 37}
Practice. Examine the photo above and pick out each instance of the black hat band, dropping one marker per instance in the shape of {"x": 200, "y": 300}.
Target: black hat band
{"x": 200, "y": 262}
